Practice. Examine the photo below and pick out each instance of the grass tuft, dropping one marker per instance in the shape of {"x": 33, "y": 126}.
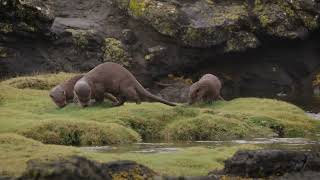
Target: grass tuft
{"x": 81, "y": 133}
{"x": 241, "y": 118}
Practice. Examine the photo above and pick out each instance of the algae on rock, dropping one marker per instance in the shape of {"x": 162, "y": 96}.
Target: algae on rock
{"x": 115, "y": 51}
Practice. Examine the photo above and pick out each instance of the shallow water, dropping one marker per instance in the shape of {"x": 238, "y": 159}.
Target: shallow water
{"x": 300, "y": 144}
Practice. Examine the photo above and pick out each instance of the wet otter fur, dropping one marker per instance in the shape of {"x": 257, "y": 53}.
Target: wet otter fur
{"x": 116, "y": 80}
{"x": 207, "y": 89}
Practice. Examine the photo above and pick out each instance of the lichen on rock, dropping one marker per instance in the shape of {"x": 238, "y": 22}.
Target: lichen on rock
{"x": 115, "y": 51}
{"x": 204, "y": 24}
{"x": 80, "y": 37}
{"x": 241, "y": 41}
{"x": 3, "y": 52}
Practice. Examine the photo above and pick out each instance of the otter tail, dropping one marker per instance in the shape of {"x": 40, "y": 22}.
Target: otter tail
{"x": 158, "y": 99}
{"x": 220, "y": 98}
{"x": 152, "y": 97}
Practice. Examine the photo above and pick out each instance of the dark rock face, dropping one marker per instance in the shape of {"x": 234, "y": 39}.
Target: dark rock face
{"x": 78, "y": 168}
{"x": 271, "y": 164}
{"x": 264, "y": 163}
{"x": 155, "y": 38}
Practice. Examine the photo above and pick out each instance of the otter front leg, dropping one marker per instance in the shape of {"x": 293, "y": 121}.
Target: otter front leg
{"x": 99, "y": 97}
{"x": 111, "y": 97}
{"x": 121, "y": 101}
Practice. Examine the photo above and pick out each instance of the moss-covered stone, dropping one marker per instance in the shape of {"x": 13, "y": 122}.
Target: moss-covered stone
{"x": 80, "y": 37}
{"x": 242, "y": 41}
{"x": 6, "y": 28}
{"x": 3, "y": 52}
{"x": 26, "y": 18}
{"x": 115, "y": 51}
{"x": 217, "y": 23}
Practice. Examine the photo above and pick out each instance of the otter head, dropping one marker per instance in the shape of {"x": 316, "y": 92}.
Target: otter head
{"x": 58, "y": 96}
{"x": 193, "y": 93}
{"x": 82, "y": 92}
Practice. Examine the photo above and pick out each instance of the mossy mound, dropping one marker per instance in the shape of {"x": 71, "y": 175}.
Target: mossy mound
{"x": 81, "y": 133}
{"x": 43, "y": 82}
{"x": 16, "y": 150}
{"x": 243, "y": 118}
{"x": 239, "y": 118}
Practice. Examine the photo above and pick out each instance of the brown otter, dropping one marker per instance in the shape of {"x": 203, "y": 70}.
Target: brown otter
{"x": 207, "y": 89}
{"x": 62, "y": 94}
{"x": 116, "y": 80}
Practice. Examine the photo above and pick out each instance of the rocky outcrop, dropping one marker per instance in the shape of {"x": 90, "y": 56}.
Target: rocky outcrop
{"x": 271, "y": 164}
{"x": 234, "y": 25}
{"x": 78, "y": 168}
{"x": 265, "y": 163}
{"x": 154, "y": 38}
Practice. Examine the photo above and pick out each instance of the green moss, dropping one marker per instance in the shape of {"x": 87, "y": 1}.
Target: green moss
{"x": 241, "y": 41}
{"x": 114, "y": 51}
{"x": 80, "y": 37}
{"x": 240, "y": 118}
{"x": 16, "y": 151}
{"x": 43, "y": 82}
{"x": 81, "y": 133}
{"x": 311, "y": 22}
{"x": 6, "y": 28}
{"x": 137, "y": 7}
{"x": 3, "y": 52}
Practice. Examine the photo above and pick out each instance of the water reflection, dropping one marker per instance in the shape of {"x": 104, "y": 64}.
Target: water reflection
{"x": 299, "y": 144}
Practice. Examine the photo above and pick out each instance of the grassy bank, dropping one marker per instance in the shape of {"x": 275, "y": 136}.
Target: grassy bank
{"x": 16, "y": 151}
{"x": 26, "y": 109}
{"x": 28, "y": 119}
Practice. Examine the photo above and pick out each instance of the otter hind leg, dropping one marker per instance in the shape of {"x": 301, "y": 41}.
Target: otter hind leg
{"x": 110, "y": 97}
{"x": 132, "y": 95}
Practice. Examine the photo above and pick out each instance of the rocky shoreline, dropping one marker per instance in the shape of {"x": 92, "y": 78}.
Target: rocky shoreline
{"x": 272, "y": 164}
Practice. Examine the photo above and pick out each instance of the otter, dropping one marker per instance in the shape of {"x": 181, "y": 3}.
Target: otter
{"x": 62, "y": 94}
{"x": 207, "y": 89}
{"x": 114, "y": 79}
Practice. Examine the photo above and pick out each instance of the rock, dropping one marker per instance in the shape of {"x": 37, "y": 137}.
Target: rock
{"x": 78, "y": 168}
{"x": 211, "y": 23}
{"x": 154, "y": 38}
{"x": 128, "y": 36}
{"x": 28, "y": 20}
{"x": 115, "y": 51}
{"x": 265, "y": 163}
{"x": 156, "y": 52}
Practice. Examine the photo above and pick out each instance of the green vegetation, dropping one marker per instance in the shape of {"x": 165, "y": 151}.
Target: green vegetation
{"x": 137, "y": 7}
{"x": 41, "y": 82}
{"x": 81, "y": 133}
{"x": 3, "y": 52}
{"x": 16, "y": 150}
{"x": 80, "y": 37}
{"x": 26, "y": 109}
{"x": 115, "y": 51}
{"x": 31, "y": 108}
